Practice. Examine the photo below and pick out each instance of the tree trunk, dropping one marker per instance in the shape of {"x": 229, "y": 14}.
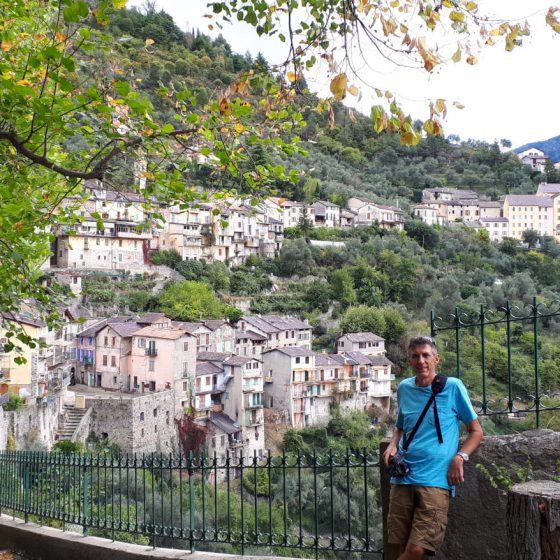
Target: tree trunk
{"x": 533, "y": 521}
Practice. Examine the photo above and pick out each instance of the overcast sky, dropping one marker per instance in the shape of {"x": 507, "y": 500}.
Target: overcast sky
{"x": 506, "y": 95}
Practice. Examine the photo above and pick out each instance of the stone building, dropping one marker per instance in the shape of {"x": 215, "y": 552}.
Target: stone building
{"x": 136, "y": 423}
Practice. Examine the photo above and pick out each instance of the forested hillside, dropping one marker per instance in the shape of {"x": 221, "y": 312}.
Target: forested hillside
{"x": 347, "y": 159}
{"x": 386, "y": 282}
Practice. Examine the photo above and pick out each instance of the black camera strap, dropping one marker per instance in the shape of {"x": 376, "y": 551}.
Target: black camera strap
{"x": 438, "y": 384}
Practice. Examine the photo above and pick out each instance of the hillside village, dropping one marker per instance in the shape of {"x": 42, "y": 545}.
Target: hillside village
{"x": 137, "y": 374}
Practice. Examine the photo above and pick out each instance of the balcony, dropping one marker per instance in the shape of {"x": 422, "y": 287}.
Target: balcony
{"x": 268, "y": 379}
{"x": 250, "y": 404}
{"x": 151, "y": 351}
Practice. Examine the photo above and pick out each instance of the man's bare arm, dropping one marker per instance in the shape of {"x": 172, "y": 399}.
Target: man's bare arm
{"x": 474, "y": 437}
{"x": 393, "y": 446}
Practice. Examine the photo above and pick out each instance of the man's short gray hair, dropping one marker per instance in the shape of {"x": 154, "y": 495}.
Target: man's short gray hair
{"x": 421, "y": 340}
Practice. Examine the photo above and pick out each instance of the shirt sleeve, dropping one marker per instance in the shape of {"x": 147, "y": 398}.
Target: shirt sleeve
{"x": 465, "y": 410}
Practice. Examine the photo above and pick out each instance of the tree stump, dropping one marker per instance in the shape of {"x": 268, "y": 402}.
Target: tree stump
{"x": 533, "y": 521}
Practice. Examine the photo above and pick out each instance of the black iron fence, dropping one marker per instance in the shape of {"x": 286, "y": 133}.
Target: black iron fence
{"x": 506, "y": 344}
{"x": 325, "y": 506}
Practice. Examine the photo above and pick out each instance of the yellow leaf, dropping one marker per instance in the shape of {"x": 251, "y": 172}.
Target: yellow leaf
{"x": 23, "y": 83}
{"x": 410, "y": 138}
{"x": 441, "y": 107}
{"x": 9, "y": 75}
{"x": 239, "y": 128}
{"x": 389, "y": 26}
{"x": 456, "y": 16}
{"x": 60, "y": 37}
{"x": 338, "y": 86}
{"x": 353, "y": 90}
{"x": 7, "y": 45}
{"x": 472, "y": 60}
{"x": 471, "y": 6}
{"x": 119, "y": 71}
{"x": 119, "y": 4}
{"x": 291, "y": 76}
{"x": 490, "y": 42}
{"x": 457, "y": 56}
{"x": 224, "y": 106}
{"x": 149, "y": 42}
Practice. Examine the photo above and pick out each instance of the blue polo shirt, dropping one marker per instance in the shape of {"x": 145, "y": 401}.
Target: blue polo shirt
{"x": 428, "y": 459}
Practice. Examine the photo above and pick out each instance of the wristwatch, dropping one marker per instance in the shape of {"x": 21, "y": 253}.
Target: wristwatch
{"x": 463, "y": 455}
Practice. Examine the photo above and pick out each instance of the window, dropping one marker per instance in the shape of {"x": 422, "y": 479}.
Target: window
{"x": 185, "y": 386}
{"x": 113, "y": 361}
{"x": 298, "y": 360}
{"x": 114, "y": 379}
{"x": 104, "y": 360}
{"x": 142, "y": 432}
{"x": 141, "y": 343}
{"x": 185, "y": 346}
{"x": 155, "y": 428}
{"x": 151, "y": 365}
{"x": 155, "y": 412}
{"x": 114, "y": 341}
{"x": 141, "y": 417}
{"x": 135, "y": 382}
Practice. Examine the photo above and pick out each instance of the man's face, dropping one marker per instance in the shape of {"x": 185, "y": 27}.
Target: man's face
{"x": 423, "y": 362}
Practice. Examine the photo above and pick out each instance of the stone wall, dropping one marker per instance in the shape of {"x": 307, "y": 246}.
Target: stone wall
{"x": 3, "y": 430}
{"x": 34, "y": 426}
{"x": 477, "y": 516}
{"x": 137, "y": 423}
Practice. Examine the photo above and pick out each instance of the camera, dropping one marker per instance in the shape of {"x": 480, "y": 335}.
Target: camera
{"x": 398, "y": 467}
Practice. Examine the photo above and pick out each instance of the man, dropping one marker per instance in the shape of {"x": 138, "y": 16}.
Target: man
{"x": 419, "y": 501}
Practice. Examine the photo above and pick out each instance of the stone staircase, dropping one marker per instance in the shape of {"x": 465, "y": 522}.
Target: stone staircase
{"x": 72, "y": 417}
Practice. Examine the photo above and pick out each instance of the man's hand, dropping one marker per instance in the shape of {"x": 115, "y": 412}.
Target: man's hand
{"x": 455, "y": 472}
{"x": 391, "y": 451}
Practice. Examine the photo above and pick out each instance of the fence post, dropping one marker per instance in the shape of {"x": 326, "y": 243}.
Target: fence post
{"x": 26, "y": 489}
{"x": 536, "y": 358}
{"x": 191, "y": 499}
{"x": 85, "y": 509}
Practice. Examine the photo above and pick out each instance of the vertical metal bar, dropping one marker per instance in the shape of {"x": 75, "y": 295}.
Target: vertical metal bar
{"x": 300, "y": 538}
{"x": 536, "y": 357}
{"x": 331, "y": 468}
{"x": 144, "y": 493}
{"x": 191, "y": 499}
{"x": 509, "y": 375}
{"x": 348, "y": 520}
{"x": 85, "y": 493}
{"x": 215, "y": 496}
{"x": 315, "y": 504}
{"x": 162, "y": 528}
{"x": 366, "y": 508}
{"x": 202, "y": 465}
{"x": 255, "y": 495}
{"x": 457, "y": 343}
{"x": 228, "y": 489}
{"x": 172, "y": 519}
{"x": 483, "y": 358}
{"x": 269, "y": 465}
{"x": 284, "y": 497}
{"x": 181, "y": 530}
{"x": 26, "y": 491}
{"x": 127, "y": 466}
{"x": 242, "y": 508}
{"x": 153, "y": 473}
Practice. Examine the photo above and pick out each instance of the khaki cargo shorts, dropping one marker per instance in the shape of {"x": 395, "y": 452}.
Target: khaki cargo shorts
{"x": 417, "y": 515}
